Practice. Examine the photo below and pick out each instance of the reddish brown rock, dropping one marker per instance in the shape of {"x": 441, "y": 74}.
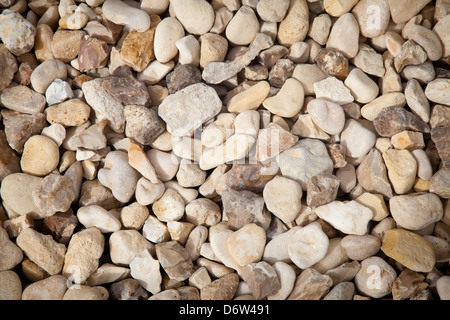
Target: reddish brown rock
{"x": 251, "y": 177}
{"x": 441, "y": 138}
{"x": 8, "y": 67}
{"x": 19, "y": 127}
{"x": 175, "y": 260}
{"x": 270, "y": 56}
{"x": 440, "y": 116}
{"x": 322, "y": 189}
{"x": 127, "y": 90}
{"x": 66, "y": 44}
{"x": 23, "y": 75}
{"x": 337, "y": 154}
{"x": 393, "y": 120}
{"x": 223, "y": 288}
{"x": 9, "y": 161}
{"x": 60, "y": 226}
{"x": 262, "y": 279}
{"x": 93, "y": 54}
{"x": 182, "y": 76}
{"x": 333, "y": 63}
{"x": 280, "y": 72}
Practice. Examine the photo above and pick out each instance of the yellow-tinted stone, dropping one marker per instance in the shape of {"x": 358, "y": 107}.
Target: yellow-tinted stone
{"x": 410, "y": 249}
{"x": 409, "y": 140}
{"x": 376, "y": 203}
{"x": 421, "y": 185}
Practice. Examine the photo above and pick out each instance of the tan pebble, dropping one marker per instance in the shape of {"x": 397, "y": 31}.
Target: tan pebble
{"x": 40, "y": 156}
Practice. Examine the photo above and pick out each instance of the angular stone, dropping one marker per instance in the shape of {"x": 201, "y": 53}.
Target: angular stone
{"x": 251, "y": 177}
{"x": 127, "y": 90}
{"x": 42, "y": 250}
{"x": 439, "y": 183}
{"x": 223, "y": 288}
{"x": 183, "y": 76}
{"x": 394, "y": 120}
{"x": 128, "y": 289}
{"x": 369, "y": 60}
{"x": 93, "y": 53}
{"x": 440, "y": 137}
{"x": 304, "y": 160}
{"x": 305, "y": 127}
{"x": 60, "y": 226}
{"x": 408, "y": 140}
{"x": 408, "y": 284}
{"x": 8, "y": 67}
{"x": 332, "y": 62}
{"x": 308, "y": 74}
{"x": 146, "y": 270}
{"x": 409, "y": 249}
{"x": 270, "y": 56}
{"x": 410, "y": 54}
{"x": 17, "y": 32}
{"x": 93, "y": 192}
{"x": 11, "y": 255}
{"x": 66, "y": 44}
{"x": 322, "y": 189}
{"x": 310, "y": 285}
{"x": 372, "y": 174}
{"x": 175, "y": 260}
{"x": 440, "y": 116}
{"x": 261, "y": 278}
{"x": 9, "y": 161}
{"x": 294, "y": 26}
{"x": 142, "y": 124}
{"x": 280, "y": 72}
{"x": 125, "y": 245}
{"x": 83, "y": 253}
{"x": 401, "y": 168}
{"x": 273, "y": 140}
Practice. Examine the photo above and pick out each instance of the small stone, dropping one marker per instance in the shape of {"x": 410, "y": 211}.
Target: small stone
{"x": 123, "y": 14}
{"x": 94, "y": 193}
{"x": 11, "y": 254}
{"x": 401, "y": 168}
{"x": 246, "y": 245}
{"x": 9, "y": 161}
{"x": 70, "y": 113}
{"x": 203, "y": 211}
{"x": 409, "y": 249}
{"x": 125, "y": 245}
{"x": 17, "y": 32}
{"x": 30, "y": 101}
{"x": 306, "y": 128}
{"x": 170, "y": 207}
{"x": 8, "y": 67}
{"x": 409, "y": 140}
{"x": 154, "y": 73}
{"x": 66, "y": 44}
{"x": 439, "y": 183}
{"x": 362, "y": 87}
{"x": 300, "y": 249}
{"x": 179, "y": 230}
{"x": 58, "y": 91}
{"x": 261, "y": 278}
{"x": 42, "y": 250}
{"x": 175, "y": 260}
{"x": 288, "y": 101}
{"x": 320, "y": 28}
{"x": 183, "y": 111}
{"x": 344, "y": 35}
{"x": 223, "y": 288}
{"x": 60, "y": 226}
{"x": 281, "y": 70}
{"x": 357, "y": 138}
{"x": 188, "y": 50}
{"x": 83, "y": 253}
{"x": 213, "y": 48}
{"x": 417, "y": 101}
{"x": 308, "y": 74}
{"x": 10, "y": 286}
{"x": 96, "y": 216}
{"x": 442, "y": 287}
{"x": 273, "y": 140}
{"x": 369, "y": 61}
{"x": 372, "y": 174}
{"x": 410, "y": 54}
{"x": 155, "y": 230}
{"x": 441, "y": 247}
{"x": 342, "y": 291}
{"x": 440, "y": 116}
{"x": 51, "y": 288}
{"x": 416, "y": 211}
{"x": 45, "y": 73}
{"x": 304, "y": 160}
{"x": 424, "y": 169}
{"x": 439, "y": 28}
{"x": 294, "y": 26}
{"x": 373, "y": 17}
{"x": 376, "y": 203}
{"x": 372, "y": 109}
{"x": 428, "y": 40}
{"x": 166, "y": 164}
{"x": 332, "y": 62}
{"x": 93, "y": 53}
{"x": 360, "y": 247}
{"x": 272, "y": 11}
{"x": 436, "y": 91}
{"x": 337, "y": 154}
{"x": 197, "y": 17}
{"x": 126, "y": 89}
{"x": 327, "y": 115}
{"x": 138, "y": 159}
{"x": 401, "y": 12}
{"x": 310, "y": 285}
{"x": 249, "y": 99}
{"x": 286, "y": 276}
{"x": 182, "y": 76}
{"x": 396, "y": 119}
{"x": 107, "y": 273}
{"x": 142, "y": 124}
{"x": 333, "y": 89}
{"x": 40, "y": 156}
{"x": 439, "y": 136}
{"x": 146, "y": 270}
{"x": 243, "y": 27}
{"x": 167, "y": 32}
{"x": 84, "y": 292}
{"x": 346, "y": 178}
{"x": 322, "y": 189}
{"x": 119, "y": 176}
{"x": 408, "y": 284}
{"x": 375, "y": 278}
{"x": 251, "y": 177}
{"x": 350, "y": 217}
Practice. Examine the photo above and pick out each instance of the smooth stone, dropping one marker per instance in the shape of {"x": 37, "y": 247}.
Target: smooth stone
{"x": 42, "y": 250}
{"x": 334, "y": 257}
{"x": 93, "y": 54}
{"x": 96, "y": 216}
{"x": 417, "y": 210}
{"x": 333, "y": 62}
{"x": 401, "y": 168}
{"x": 123, "y": 14}
{"x": 357, "y": 138}
{"x": 373, "y": 17}
{"x": 294, "y": 27}
{"x": 10, "y": 286}
{"x": 146, "y": 270}
{"x": 187, "y": 109}
{"x": 342, "y": 291}
{"x": 327, "y": 115}
{"x": 196, "y": 16}
{"x": 169, "y": 207}
{"x": 424, "y": 168}
{"x": 344, "y": 35}
{"x": 125, "y": 245}
{"x": 375, "y": 277}
{"x": 142, "y": 124}
{"x": 282, "y": 197}
{"x": 439, "y": 183}
{"x": 440, "y": 29}
{"x": 213, "y": 48}
{"x": 308, "y": 245}
{"x": 320, "y": 29}
{"x": 417, "y": 100}
{"x": 437, "y": 91}
{"x": 83, "y": 253}
{"x": 188, "y": 50}
{"x": 154, "y": 73}
{"x": 276, "y": 249}
{"x": 17, "y": 33}
{"x": 372, "y": 109}
{"x": 246, "y": 245}
{"x": 182, "y": 76}
{"x": 45, "y": 73}
{"x": 168, "y": 31}
{"x": 119, "y": 176}
{"x": 166, "y": 164}
{"x": 70, "y": 113}
{"x": 51, "y": 288}
{"x": 249, "y": 99}
{"x": 410, "y": 249}
{"x": 442, "y": 285}
{"x": 154, "y": 230}
{"x": 308, "y": 74}
{"x": 428, "y": 40}
{"x": 440, "y": 246}
{"x": 286, "y": 276}
{"x": 190, "y": 175}
{"x": 22, "y": 99}
{"x": 84, "y": 292}
{"x": 362, "y": 87}
{"x": 243, "y": 27}
{"x": 40, "y": 156}
{"x": 247, "y": 122}
{"x": 272, "y": 11}
{"x": 360, "y": 247}
{"x": 350, "y": 217}
{"x": 175, "y": 260}
{"x": 288, "y": 101}
{"x": 337, "y": 8}
{"x": 304, "y": 160}
{"x": 402, "y": 12}
{"x": 333, "y": 89}
{"x": 251, "y": 177}
{"x": 203, "y": 212}
{"x": 11, "y": 254}
{"x": 107, "y": 273}
{"x": 376, "y": 203}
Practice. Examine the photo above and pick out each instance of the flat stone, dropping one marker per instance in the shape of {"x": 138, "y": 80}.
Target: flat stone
{"x": 360, "y": 247}
{"x": 94, "y": 193}
{"x": 296, "y": 162}
{"x": 251, "y": 177}
{"x": 375, "y": 277}
{"x": 182, "y": 76}
{"x": 294, "y": 26}
{"x": 396, "y": 119}
{"x": 439, "y": 136}
{"x": 42, "y": 250}
{"x": 369, "y": 60}
{"x": 322, "y": 189}
{"x": 262, "y": 279}
{"x": 282, "y": 197}
{"x": 416, "y": 211}
{"x": 350, "y": 217}
{"x": 401, "y": 168}
{"x": 408, "y": 140}
{"x": 30, "y": 102}
{"x": 146, "y": 270}
{"x": 376, "y": 203}
{"x": 409, "y": 249}
{"x": 183, "y": 111}
{"x": 310, "y": 285}
{"x": 175, "y": 260}
{"x": 126, "y": 89}
{"x": 439, "y": 183}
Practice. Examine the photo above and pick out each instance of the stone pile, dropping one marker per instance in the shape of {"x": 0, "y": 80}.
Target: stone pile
{"x": 225, "y": 149}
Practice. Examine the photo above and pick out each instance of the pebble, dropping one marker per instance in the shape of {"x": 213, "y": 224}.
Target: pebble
{"x": 416, "y": 211}
{"x": 401, "y": 168}
{"x": 308, "y": 74}
{"x": 188, "y": 50}
{"x": 168, "y": 31}
{"x": 45, "y": 73}
{"x": 169, "y": 207}
{"x": 118, "y": 176}
{"x": 288, "y": 101}
{"x": 310, "y": 285}
{"x": 51, "y": 288}
{"x": 416, "y": 100}
{"x": 246, "y": 245}
{"x": 393, "y": 120}
{"x": 362, "y": 87}
{"x": 183, "y": 112}
{"x": 42, "y": 250}
{"x": 410, "y": 249}
{"x": 249, "y": 99}
{"x": 9, "y": 68}
{"x": 22, "y": 99}
{"x": 154, "y": 230}
{"x": 66, "y": 44}
{"x": 96, "y": 216}
{"x": 304, "y": 160}
{"x": 213, "y": 48}
{"x": 294, "y": 26}
{"x": 327, "y": 115}
{"x": 146, "y": 270}
{"x": 428, "y": 40}
{"x": 372, "y": 174}
{"x": 40, "y": 156}
{"x": 344, "y": 35}
{"x": 372, "y": 109}
{"x": 142, "y": 124}
{"x": 175, "y": 260}
{"x": 342, "y": 291}
{"x": 133, "y": 216}
{"x": 273, "y": 140}
{"x": 442, "y": 287}
{"x": 125, "y": 245}
{"x": 437, "y": 91}
{"x": 58, "y": 91}
{"x": 11, "y": 286}
{"x": 282, "y": 197}
{"x": 360, "y": 247}
{"x": 308, "y": 245}
{"x": 322, "y": 189}
{"x": 373, "y": 17}
{"x": 243, "y": 27}
{"x": 11, "y": 255}
{"x": 332, "y": 62}
{"x": 223, "y": 288}
{"x": 350, "y": 217}
{"x": 196, "y": 16}
{"x": 376, "y": 203}
{"x": 439, "y": 182}
{"x": 375, "y": 278}
{"x": 339, "y": 7}
{"x": 17, "y": 32}
{"x": 203, "y": 212}
{"x": 84, "y": 292}
{"x": 261, "y": 278}
{"x": 123, "y": 14}
{"x": 320, "y": 29}
{"x": 439, "y": 28}
{"x": 357, "y": 138}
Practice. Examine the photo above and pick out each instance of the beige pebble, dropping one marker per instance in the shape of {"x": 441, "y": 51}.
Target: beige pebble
{"x": 10, "y": 286}
{"x": 40, "y": 156}
{"x": 243, "y": 27}
{"x": 288, "y": 101}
